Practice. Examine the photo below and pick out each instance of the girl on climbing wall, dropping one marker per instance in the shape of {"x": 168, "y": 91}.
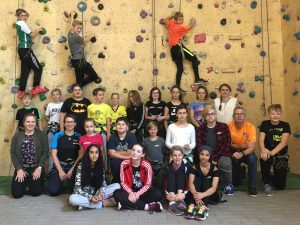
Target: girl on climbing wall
{"x": 78, "y": 61}
{"x": 225, "y": 104}
{"x": 27, "y": 57}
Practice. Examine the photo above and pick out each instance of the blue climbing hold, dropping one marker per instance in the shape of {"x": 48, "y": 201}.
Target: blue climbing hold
{"x": 286, "y": 17}
{"x": 294, "y": 59}
{"x": 81, "y": 6}
{"x": 62, "y": 39}
{"x": 253, "y": 4}
{"x": 252, "y": 94}
{"x": 213, "y": 95}
{"x": 257, "y": 30}
{"x": 263, "y": 53}
{"x": 297, "y": 35}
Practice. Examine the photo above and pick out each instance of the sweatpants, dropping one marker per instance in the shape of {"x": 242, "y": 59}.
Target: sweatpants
{"x": 225, "y": 167}
{"x": 152, "y": 195}
{"x": 280, "y": 168}
{"x": 18, "y": 189}
{"x": 80, "y": 200}
{"x": 177, "y": 58}
{"x": 82, "y": 67}
{"x": 28, "y": 62}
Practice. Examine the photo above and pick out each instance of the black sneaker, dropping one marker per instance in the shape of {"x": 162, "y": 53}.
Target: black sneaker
{"x": 175, "y": 210}
{"x": 252, "y": 191}
{"x": 155, "y": 207}
{"x": 98, "y": 80}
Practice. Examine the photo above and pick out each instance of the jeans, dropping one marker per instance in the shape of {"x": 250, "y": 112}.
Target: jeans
{"x": 251, "y": 161}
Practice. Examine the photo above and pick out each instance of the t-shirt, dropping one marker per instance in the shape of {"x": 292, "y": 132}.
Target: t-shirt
{"x": 198, "y": 107}
{"x": 154, "y": 149}
{"x": 115, "y": 143}
{"x": 245, "y": 135}
{"x": 273, "y": 134}
{"x": 115, "y": 114}
{"x": 67, "y": 146}
{"x": 211, "y": 139}
{"x": 23, "y": 32}
{"x": 25, "y": 110}
{"x": 136, "y": 178}
{"x": 85, "y": 141}
{"x": 172, "y": 112}
{"x": 28, "y": 150}
{"x": 53, "y": 110}
{"x": 79, "y": 109}
{"x": 76, "y": 45}
{"x": 156, "y": 109}
{"x": 99, "y": 112}
{"x": 176, "y": 32}
{"x": 136, "y": 116}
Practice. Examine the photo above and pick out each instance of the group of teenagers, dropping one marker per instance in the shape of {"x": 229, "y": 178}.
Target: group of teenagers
{"x": 188, "y": 154}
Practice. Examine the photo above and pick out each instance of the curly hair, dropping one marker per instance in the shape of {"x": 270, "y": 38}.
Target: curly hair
{"x": 92, "y": 175}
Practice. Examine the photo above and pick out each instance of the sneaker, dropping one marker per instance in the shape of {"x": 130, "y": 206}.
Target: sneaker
{"x": 155, "y": 207}
{"x": 98, "y": 80}
{"x": 201, "y": 213}
{"x": 80, "y": 208}
{"x": 200, "y": 81}
{"x": 183, "y": 91}
{"x": 121, "y": 207}
{"x": 36, "y": 90}
{"x": 190, "y": 212}
{"x": 228, "y": 190}
{"x": 268, "y": 190}
{"x": 175, "y": 210}
{"x": 21, "y": 94}
{"x": 252, "y": 191}
{"x": 181, "y": 205}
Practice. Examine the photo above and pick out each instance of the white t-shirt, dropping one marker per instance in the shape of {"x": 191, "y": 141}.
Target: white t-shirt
{"x": 53, "y": 111}
{"x": 181, "y": 136}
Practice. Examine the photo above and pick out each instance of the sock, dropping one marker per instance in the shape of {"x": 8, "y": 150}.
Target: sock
{"x": 146, "y": 207}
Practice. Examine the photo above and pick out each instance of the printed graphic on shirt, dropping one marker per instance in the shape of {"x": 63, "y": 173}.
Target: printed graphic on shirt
{"x": 136, "y": 177}
{"x": 78, "y": 108}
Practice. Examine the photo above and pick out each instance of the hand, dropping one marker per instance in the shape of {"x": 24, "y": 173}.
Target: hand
{"x": 159, "y": 118}
{"x": 200, "y": 202}
{"x": 37, "y": 173}
{"x": 62, "y": 175}
{"x": 100, "y": 197}
{"x": 70, "y": 173}
{"x": 180, "y": 196}
{"x": 171, "y": 196}
{"x": 237, "y": 155}
{"x": 265, "y": 154}
{"x": 244, "y": 146}
{"x": 215, "y": 163}
{"x": 198, "y": 196}
{"x": 132, "y": 197}
{"x": 186, "y": 147}
{"x": 20, "y": 175}
{"x": 94, "y": 199}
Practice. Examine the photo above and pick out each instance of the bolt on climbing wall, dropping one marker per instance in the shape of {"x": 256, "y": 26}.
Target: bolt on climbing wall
{"x": 237, "y": 42}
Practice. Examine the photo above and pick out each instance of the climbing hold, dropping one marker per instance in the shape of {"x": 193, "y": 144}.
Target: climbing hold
{"x": 50, "y": 47}
{"x": 171, "y": 5}
{"x": 217, "y": 70}
{"x": 140, "y": 88}
{"x": 143, "y": 31}
{"x": 131, "y": 55}
{"x": 238, "y": 21}
{"x": 66, "y": 47}
{"x": 100, "y": 6}
{"x": 46, "y": 40}
{"x": 104, "y": 47}
{"x": 200, "y": 38}
{"x": 259, "y": 78}
{"x": 240, "y": 87}
{"x": 81, "y": 6}
{"x": 223, "y": 4}
{"x": 13, "y": 25}
{"x": 297, "y": 134}
{"x": 162, "y": 55}
{"x": 228, "y": 70}
{"x": 235, "y": 37}
{"x": 45, "y": 1}
{"x": 162, "y": 21}
{"x": 108, "y": 23}
{"x": 125, "y": 90}
{"x": 257, "y": 30}
{"x": 46, "y": 8}
{"x": 139, "y": 38}
{"x": 253, "y": 4}
{"x": 93, "y": 39}
{"x": 213, "y": 95}
{"x": 62, "y": 39}
{"x": 95, "y": 21}
{"x": 258, "y": 45}
{"x": 2, "y": 81}
{"x": 239, "y": 69}
{"x": 42, "y": 64}
{"x": 17, "y": 81}
{"x": 286, "y": 17}
{"x": 101, "y": 55}
{"x": 14, "y": 106}
{"x": 40, "y": 1}
{"x": 143, "y": 14}
{"x": 14, "y": 90}
{"x": 294, "y": 92}
{"x": 124, "y": 72}
{"x": 200, "y": 6}
{"x": 209, "y": 69}
{"x": 155, "y": 71}
{"x": 242, "y": 45}
{"x": 202, "y": 55}
{"x": 96, "y": 1}
{"x": 193, "y": 87}
{"x": 294, "y": 59}
{"x": 227, "y": 46}
{"x": 66, "y": 14}
{"x": 252, "y": 94}
{"x": 43, "y": 31}
{"x": 6, "y": 139}
{"x": 163, "y": 87}
{"x": 3, "y": 47}
{"x": 216, "y": 37}
{"x": 263, "y": 53}
{"x": 69, "y": 89}
{"x": 282, "y": 8}
{"x": 42, "y": 96}
{"x": 223, "y": 21}
{"x": 53, "y": 72}
{"x": 216, "y": 5}
{"x": 297, "y": 35}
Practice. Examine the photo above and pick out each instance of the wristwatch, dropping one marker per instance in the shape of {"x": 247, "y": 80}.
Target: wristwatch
{"x": 40, "y": 167}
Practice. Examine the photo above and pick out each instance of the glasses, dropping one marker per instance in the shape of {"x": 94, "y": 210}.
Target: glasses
{"x": 210, "y": 114}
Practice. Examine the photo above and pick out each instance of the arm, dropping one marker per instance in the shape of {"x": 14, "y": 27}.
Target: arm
{"x": 61, "y": 173}
{"x": 168, "y": 138}
{"x": 119, "y": 154}
{"x": 192, "y": 143}
{"x": 15, "y": 128}
{"x": 45, "y": 149}
{"x": 223, "y": 147}
{"x": 13, "y": 153}
{"x": 192, "y": 118}
{"x": 61, "y": 121}
{"x": 146, "y": 114}
{"x": 40, "y": 125}
{"x": 192, "y": 23}
{"x": 108, "y": 122}
{"x": 282, "y": 144}
{"x": 122, "y": 178}
{"x": 167, "y": 117}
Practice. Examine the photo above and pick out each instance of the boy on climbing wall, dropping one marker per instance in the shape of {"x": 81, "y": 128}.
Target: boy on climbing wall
{"x": 27, "y": 57}
{"x": 78, "y": 61}
{"x": 179, "y": 52}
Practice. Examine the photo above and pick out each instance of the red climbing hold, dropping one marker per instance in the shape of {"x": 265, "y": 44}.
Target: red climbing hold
{"x": 200, "y": 38}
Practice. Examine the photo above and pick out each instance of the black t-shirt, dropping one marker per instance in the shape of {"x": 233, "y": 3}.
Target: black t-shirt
{"x": 273, "y": 134}
{"x": 117, "y": 144}
{"x": 135, "y": 116}
{"x": 172, "y": 112}
{"x": 156, "y": 109}
{"x": 79, "y": 109}
{"x": 25, "y": 110}
{"x": 136, "y": 177}
{"x": 211, "y": 139}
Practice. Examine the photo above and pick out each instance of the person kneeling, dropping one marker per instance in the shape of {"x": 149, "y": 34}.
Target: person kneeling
{"x": 203, "y": 185}
{"x": 136, "y": 180}
{"x": 89, "y": 191}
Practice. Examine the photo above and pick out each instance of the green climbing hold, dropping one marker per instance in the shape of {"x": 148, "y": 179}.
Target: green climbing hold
{"x": 41, "y": 1}
{"x": 252, "y": 94}
{"x": 43, "y": 31}
{"x": 42, "y": 96}
{"x": 14, "y": 106}
{"x": 0, "y": 106}
{"x": 46, "y": 9}
{"x": 263, "y": 53}
{"x": 42, "y": 64}
{"x": 3, "y": 47}
{"x": 45, "y": 1}
{"x": 286, "y": 17}
{"x": 17, "y": 81}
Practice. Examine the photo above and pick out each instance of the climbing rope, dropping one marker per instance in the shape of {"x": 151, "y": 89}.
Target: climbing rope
{"x": 179, "y": 6}
{"x": 154, "y": 52}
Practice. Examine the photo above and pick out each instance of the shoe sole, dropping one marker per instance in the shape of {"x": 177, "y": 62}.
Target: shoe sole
{"x": 189, "y": 217}
{"x": 268, "y": 195}
{"x": 176, "y": 214}
{"x": 229, "y": 194}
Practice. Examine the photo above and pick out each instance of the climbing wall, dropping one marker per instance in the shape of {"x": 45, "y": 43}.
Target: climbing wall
{"x": 237, "y": 41}
{"x": 291, "y": 62}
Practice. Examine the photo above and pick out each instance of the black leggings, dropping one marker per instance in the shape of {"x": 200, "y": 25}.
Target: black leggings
{"x": 28, "y": 62}
{"x": 201, "y": 185}
{"x": 152, "y": 195}
{"x": 83, "y": 67}
{"x": 176, "y": 180}
{"x": 280, "y": 168}
{"x": 177, "y": 58}
{"x": 18, "y": 189}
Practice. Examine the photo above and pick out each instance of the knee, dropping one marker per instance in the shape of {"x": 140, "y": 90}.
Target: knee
{"x": 53, "y": 190}
{"x": 225, "y": 163}
{"x": 36, "y": 192}
{"x": 73, "y": 200}
{"x": 17, "y": 194}
{"x": 195, "y": 61}
{"x": 252, "y": 158}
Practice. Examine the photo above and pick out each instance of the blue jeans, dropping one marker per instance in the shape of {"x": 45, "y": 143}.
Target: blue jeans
{"x": 251, "y": 161}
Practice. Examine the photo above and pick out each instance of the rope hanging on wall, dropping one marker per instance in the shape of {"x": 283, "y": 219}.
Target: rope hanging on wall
{"x": 154, "y": 52}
